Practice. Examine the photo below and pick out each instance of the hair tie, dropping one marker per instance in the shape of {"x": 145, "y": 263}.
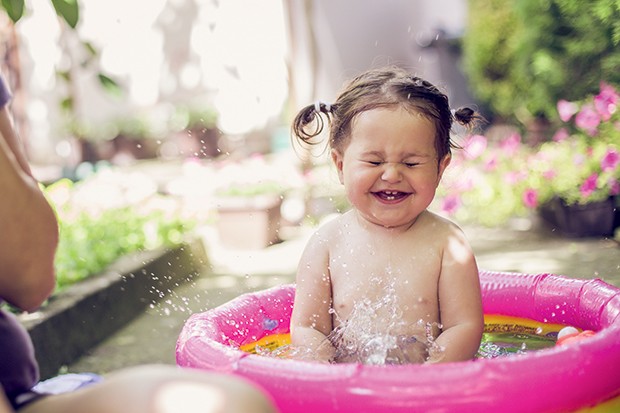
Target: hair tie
{"x": 317, "y": 106}
{"x": 453, "y": 112}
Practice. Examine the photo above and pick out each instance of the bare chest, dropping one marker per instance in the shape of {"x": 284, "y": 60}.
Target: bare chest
{"x": 386, "y": 281}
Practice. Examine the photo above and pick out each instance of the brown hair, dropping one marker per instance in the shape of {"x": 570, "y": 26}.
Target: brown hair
{"x": 380, "y": 88}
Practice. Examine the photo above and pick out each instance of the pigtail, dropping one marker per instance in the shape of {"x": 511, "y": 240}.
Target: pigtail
{"x": 468, "y": 117}
{"x": 309, "y": 122}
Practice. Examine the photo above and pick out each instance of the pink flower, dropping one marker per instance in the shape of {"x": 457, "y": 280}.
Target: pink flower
{"x": 611, "y": 160}
{"x": 614, "y": 187}
{"x": 560, "y": 135}
{"x": 579, "y": 159}
{"x": 530, "y": 198}
{"x": 511, "y": 144}
{"x": 491, "y": 163}
{"x": 605, "y": 102}
{"x": 566, "y": 109}
{"x": 549, "y": 174}
{"x": 514, "y": 177}
{"x": 588, "y": 119}
{"x": 588, "y": 186}
{"x": 475, "y": 146}
{"x": 451, "y": 203}
{"x": 465, "y": 182}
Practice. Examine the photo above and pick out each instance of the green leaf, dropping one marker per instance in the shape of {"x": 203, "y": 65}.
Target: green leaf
{"x": 68, "y": 10}
{"x": 67, "y": 104}
{"x": 64, "y": 75}
{"x": 109, "y": 85}
{"x": 92, "y": 50}
{"x": 14, "y": 8}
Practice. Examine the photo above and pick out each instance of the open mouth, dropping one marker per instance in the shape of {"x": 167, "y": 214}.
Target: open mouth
{"x": 391, "y": 195}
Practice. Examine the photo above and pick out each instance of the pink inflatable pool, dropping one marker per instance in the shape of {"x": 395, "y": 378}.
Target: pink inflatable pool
{"x": 560, "y": 379}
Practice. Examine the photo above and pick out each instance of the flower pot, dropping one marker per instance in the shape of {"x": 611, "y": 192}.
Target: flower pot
{"x": 249, "y": 222}
{"x": 595, "y": 219}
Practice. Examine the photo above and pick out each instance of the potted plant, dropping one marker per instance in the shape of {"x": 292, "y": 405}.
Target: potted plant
{"x": 248, "y": 198}
{"x": 579, "y": 171}
{"x": 572, "y": 180}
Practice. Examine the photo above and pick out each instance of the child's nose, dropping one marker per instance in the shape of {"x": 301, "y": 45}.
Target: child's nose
{"x": 391, "y": 173}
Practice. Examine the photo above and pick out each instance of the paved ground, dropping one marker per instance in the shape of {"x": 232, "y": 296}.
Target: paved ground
{"x": 523, "y": 246}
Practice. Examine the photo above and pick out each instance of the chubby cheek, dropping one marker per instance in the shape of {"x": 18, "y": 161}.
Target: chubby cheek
{"x": 358, "y": 185}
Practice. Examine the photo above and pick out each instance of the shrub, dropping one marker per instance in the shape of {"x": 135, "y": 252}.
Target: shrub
{"x": 522, "y": 57}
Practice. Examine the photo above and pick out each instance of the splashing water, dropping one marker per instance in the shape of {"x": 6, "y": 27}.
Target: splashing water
{"x": 367, "y": 338}
{"x": 364, "y": 338}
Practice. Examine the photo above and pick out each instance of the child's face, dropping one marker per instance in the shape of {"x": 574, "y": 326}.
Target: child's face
{"x": 389, "y": 168}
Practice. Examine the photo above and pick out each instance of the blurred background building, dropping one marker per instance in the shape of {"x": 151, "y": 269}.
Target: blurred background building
{"x": 239, "y": 67}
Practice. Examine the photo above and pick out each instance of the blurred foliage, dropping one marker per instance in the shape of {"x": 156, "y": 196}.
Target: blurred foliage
{"x": 89, "y": 244}
{"x": 67, "y": 9}
{"x": 85, "y": 51}
{"x": 522, "y": 57}
{"x": 92, "y": 240}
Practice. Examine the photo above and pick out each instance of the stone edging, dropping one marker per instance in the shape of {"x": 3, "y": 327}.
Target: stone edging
{"x": 86, "y": 313}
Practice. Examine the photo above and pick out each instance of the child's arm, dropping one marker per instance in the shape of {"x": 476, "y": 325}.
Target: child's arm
{"x": 460, "y": 302}
{"x": 311, "y": 321}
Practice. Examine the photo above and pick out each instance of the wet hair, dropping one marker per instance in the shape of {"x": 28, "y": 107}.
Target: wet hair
{"x": 382, "y": 88}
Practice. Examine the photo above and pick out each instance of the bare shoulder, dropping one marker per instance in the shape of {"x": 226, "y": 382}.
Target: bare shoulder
{"x": 446, "y": 235}
{"x": 335, "y": 227}
{"x": 430, "y": 221}
{"x": 326, "y": 235}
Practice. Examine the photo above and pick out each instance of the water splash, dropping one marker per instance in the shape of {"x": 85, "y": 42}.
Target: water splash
{"x": 365, "y": 338}
{"x": 372, "y": 334}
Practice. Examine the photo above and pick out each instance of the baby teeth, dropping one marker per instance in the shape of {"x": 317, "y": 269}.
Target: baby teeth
{"x": 390, "y": 195}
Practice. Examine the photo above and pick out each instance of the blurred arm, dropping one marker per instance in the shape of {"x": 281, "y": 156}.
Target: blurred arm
{"x": 28, "y": 226}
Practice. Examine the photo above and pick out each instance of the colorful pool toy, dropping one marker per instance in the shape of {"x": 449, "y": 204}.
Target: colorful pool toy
{"x": 578, "y": 376}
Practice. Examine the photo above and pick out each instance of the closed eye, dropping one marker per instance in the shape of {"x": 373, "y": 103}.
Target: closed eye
{"x": 374, "y": 163}
{"x": 411, "y": 164}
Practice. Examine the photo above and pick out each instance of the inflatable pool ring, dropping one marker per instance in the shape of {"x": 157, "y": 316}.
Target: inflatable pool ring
{"x": 581, "y": 376}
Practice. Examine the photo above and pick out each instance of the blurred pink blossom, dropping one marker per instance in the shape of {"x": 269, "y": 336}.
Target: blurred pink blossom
{"x": 588, "y": 186}
{"x": 579, "y": 159}
{"x": 451, "y": 203}
{"x": 475, "y": 146}
{"x": 530, "y": 198}
{"x": 549, "y": 174}
{"x": 588, "y": 119}
{"x": 510, "y": 145}
{"x": 514, "y": 177}
{"x": 610, "y": 160}
{"x": 560, "y": 135}
{"x": 614, "y": 187}
{"x": 606, "y": 101}
{"x": 567, "y": 109}
{"x": 491, "y": 163}
{"x": 467, "y": 180}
